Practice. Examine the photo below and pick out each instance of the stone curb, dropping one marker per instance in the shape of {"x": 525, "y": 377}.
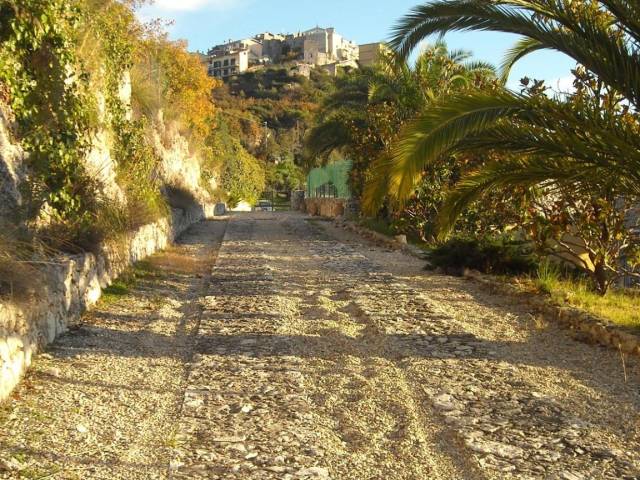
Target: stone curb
{"x": 594, "y": 328}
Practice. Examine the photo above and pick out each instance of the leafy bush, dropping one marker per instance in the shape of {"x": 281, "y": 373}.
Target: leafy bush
{"x": 180, "y": 82}
{"x": 379, "y": 225}
{"x": 285, "y": 176}
{"x": 243, "y": 176}
{"x": 491, "y": 255}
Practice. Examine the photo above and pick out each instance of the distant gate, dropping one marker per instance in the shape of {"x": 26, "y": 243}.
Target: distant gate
{"x": 330, "y": 181}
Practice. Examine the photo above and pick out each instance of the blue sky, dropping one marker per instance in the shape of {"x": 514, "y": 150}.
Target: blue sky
{"x": 205, "y": 23}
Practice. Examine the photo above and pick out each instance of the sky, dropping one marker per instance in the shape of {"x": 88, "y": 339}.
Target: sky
{"x": 205, "y": 23}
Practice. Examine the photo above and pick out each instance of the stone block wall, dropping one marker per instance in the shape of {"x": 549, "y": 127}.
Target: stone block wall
{"x": 325, "y": 207}
{"x": 72, "y": 285}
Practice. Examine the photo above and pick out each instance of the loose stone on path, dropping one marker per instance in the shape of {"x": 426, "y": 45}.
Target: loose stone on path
{"x": 307, "y": 353}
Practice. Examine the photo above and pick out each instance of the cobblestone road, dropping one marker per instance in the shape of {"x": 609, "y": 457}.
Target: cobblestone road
{"x": 318, "y": 356}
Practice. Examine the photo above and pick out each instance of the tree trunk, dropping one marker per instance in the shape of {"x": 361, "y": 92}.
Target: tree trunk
{"x": 601, "y": 278}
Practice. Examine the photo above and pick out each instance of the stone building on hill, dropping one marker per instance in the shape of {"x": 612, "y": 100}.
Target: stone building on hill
{"x": 318, "y": 47}
{"x": 370, "y": 53}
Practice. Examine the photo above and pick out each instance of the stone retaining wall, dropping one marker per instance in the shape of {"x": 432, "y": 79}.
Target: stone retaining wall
{"x": 325, "y": 207}
{"x": 73, "y": 284}
{"x": 583, "y": 323}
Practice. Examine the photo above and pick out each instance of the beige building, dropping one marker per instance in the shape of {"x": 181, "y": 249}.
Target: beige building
{"x": 271, "y": 45}
{"x": 318, "y": 47}
{"x": 324, "y": 46}
{"x": 252, "y": 45}
{"x": 371, "y": 53}
{"x": 224, "y": 65}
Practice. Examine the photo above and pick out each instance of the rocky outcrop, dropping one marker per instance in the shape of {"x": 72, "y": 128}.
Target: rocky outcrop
{"x": 180, "y": 164}
{"x": 11, "y": 157}
{"x": 72, "y": 285}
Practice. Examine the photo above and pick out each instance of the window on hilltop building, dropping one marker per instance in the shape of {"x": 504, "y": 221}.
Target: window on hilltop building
{"x": 226, "y": 63}
{"x": 226, "y": 72}
{"x": 233, "y": 61}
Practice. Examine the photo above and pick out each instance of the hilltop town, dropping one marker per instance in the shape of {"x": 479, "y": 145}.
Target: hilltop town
{"x": 316, "y": 48}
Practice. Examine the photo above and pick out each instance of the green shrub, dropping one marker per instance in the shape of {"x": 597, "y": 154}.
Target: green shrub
{"x": 379, "y": 225}
{"x": 48, "y": 93}
{"x": 243, "y": 176}
{"x": 491, "y": 255}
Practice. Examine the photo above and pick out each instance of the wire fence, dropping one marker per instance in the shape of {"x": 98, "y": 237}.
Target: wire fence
{"x": 330, "y": 181}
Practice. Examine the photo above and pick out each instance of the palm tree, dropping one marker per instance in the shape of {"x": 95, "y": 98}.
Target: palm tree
{"x": 394, "y": 81}
{"x": 343, "y": 108}
{"x": 436, "y": 72}
{"x": 582, "y": 145}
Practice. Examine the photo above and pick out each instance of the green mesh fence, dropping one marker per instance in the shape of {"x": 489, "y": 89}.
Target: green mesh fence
{"x": 330, "y": 181}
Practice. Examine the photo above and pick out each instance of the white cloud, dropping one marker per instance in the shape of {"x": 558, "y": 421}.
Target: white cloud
{"x": 191, "y": 5}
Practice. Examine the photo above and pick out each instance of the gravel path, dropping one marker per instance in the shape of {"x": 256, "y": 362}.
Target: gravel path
{"x": 320, "y": 356}
{"x": 102, "y": 403}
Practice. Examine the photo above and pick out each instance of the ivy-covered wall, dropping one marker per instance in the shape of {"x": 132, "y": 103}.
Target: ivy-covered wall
{"x": 105, "y": 115}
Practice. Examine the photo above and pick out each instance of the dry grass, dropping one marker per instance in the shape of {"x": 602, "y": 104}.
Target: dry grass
{"x": 19, "y": 276}
{"x": 620, "y": 306}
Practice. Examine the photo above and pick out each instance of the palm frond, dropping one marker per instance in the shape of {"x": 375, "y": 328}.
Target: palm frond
{"x": 627, "y": 14}
{"x": 328, "y": 136}
{"x": 376, "y": 189}
{"x": 568, "y": 27}
{"x": 440, "y": 130}
{"x": 521, "y": 49}
{"x": 479, "y": 66}
{"x": 504, "y": 121}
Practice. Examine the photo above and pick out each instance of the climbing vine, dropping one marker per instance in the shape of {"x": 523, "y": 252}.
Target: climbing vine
{"x": 47, "y": 92}
{"x": 63, "y": 67}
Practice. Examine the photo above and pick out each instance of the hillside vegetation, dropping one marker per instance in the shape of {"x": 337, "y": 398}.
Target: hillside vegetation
{"x": 107, "y": 123}
{"x": 270, "y": 111}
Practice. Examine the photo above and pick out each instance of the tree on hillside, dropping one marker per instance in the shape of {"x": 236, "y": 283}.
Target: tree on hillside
{"x": 270, "y": 110}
